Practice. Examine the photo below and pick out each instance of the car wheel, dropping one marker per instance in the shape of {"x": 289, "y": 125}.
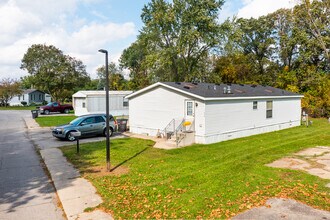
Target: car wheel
{"x": 46, "y": 112}
{"x": 70, "y": 137}
{"x": 66, "y": 111}
{"x": 110, "y": 132}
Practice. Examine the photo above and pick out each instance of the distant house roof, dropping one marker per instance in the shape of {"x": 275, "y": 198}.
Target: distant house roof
{"x": 28, "y": 91}
{"x": 211, "y": 91}
{"x": 99, "y": 93}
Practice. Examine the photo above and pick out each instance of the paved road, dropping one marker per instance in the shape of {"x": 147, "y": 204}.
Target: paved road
{"x": 25, "y": 189}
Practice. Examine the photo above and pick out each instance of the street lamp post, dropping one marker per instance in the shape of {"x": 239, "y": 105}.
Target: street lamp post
{"x": 107, "y": 107}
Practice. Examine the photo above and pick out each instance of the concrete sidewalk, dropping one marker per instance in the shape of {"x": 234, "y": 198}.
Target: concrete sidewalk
{"x": 75, "y": 193}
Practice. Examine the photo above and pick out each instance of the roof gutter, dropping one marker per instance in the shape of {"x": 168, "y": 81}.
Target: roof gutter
{"x": 252, "y": 97}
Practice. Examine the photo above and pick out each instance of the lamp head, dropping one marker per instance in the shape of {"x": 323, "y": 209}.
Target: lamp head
{"x": 103, "y": 51}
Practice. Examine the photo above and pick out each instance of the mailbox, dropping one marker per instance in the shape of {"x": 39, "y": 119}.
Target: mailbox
{"x": 76, "y": 134}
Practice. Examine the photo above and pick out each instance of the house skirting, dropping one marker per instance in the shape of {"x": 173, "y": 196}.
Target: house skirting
{"x": 228, "y": 135}
{"x": 145, "y": 131}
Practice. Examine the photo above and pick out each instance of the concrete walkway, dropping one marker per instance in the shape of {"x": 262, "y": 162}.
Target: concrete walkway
{"x": 160, "y": 143}
{"x": 75, "y": 193}
{"x": 315, "y": 161}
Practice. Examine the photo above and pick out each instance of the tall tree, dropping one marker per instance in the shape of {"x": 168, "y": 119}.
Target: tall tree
{"x": 314, "y": 17}
{"x": 54, "y": 72}
{"x": 257, "y": 42}
{"x": 116, "y": 78}
{"x": 286, "y": 35}
{"x": 179, "y": 35}
{"x": 8, "y": 89}
{"x": 134, "y": 59}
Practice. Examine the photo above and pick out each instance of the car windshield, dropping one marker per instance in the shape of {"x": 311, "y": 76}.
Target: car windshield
{"x": 50, "y": 104}
{"x": 76, "y": 121}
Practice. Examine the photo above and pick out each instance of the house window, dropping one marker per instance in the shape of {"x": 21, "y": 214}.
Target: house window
{"x": 189, "y": 108}
{"x": 125, "y": 103}
{"x": 84, "y": 105}
{"x": 19, "y": 97}
{"x": 255, "y": 105}
{"x": 23, "y": 97}
{"x": 31, "y": 96}
{"x": 269, "y": 109}
{"x": 39, "y": 96}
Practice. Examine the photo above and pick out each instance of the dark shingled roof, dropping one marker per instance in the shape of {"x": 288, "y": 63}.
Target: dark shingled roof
{"x": 27, "y": 91}
{"x": 211, "y": 90}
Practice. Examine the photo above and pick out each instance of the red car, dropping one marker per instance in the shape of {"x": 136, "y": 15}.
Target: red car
{"x": 55, "y": 107}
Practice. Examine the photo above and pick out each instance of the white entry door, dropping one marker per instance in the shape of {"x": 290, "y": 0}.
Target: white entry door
{"x": 189, "y": 115}
{"x": 189, "y": 109}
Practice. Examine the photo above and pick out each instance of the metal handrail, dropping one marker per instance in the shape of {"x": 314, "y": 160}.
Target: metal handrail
{"x": 171, "y": 130}
{"x": 167, "y": 128}
{"x": 177, "y": 138}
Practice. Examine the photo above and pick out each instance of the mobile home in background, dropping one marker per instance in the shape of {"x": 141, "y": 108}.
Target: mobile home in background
{"x": 93, "y": 101}
{"x": 30, "y": 96}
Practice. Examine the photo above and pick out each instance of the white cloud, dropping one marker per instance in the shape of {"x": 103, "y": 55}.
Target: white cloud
{"x": 14, "y": 22}
{"x": 49, "y": 22}
{"x": 257, "y": 8}
{"x": 47, "y": 9}
{"x": 94, "y": 36}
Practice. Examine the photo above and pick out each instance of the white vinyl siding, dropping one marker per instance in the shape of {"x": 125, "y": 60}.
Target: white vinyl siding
{"x": 152, "y": 111}
{"x": 79, "y": 105}
{"x": 97, "y": 103}
{"x": 232, "y": 119}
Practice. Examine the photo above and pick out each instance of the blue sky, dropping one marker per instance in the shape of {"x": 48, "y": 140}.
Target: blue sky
{"x": 80, "y": 27}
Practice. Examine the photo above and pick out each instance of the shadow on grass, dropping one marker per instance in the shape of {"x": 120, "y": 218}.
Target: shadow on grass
{"x": 125, "y": 161}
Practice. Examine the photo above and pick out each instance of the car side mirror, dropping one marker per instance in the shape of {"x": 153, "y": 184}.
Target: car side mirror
{"x": 82, "y": 124}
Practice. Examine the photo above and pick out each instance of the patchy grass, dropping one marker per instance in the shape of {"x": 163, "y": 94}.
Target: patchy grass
{"x": 203, "y": 181}
{"x": 50, "y": 121}
{"x": 18, "y": 108}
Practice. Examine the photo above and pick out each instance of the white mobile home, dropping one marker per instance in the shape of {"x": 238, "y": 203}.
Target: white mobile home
{"x": 212, "y": 112}
{"x": 88, "y": 102}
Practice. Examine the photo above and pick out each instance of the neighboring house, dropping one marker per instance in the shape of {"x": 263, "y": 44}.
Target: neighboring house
{"x": 87, "y": 102}
{"x": 30, "y": 96}
{"x": 210, "y": 113}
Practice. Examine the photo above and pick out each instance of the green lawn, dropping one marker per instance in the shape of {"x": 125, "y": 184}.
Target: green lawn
{"x": 203, "y": 181}
{"x": 51, "y": 121}
{"x": 18, "y": 108}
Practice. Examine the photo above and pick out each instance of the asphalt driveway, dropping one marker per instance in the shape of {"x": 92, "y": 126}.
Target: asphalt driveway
{"x": 43, "y": 138}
